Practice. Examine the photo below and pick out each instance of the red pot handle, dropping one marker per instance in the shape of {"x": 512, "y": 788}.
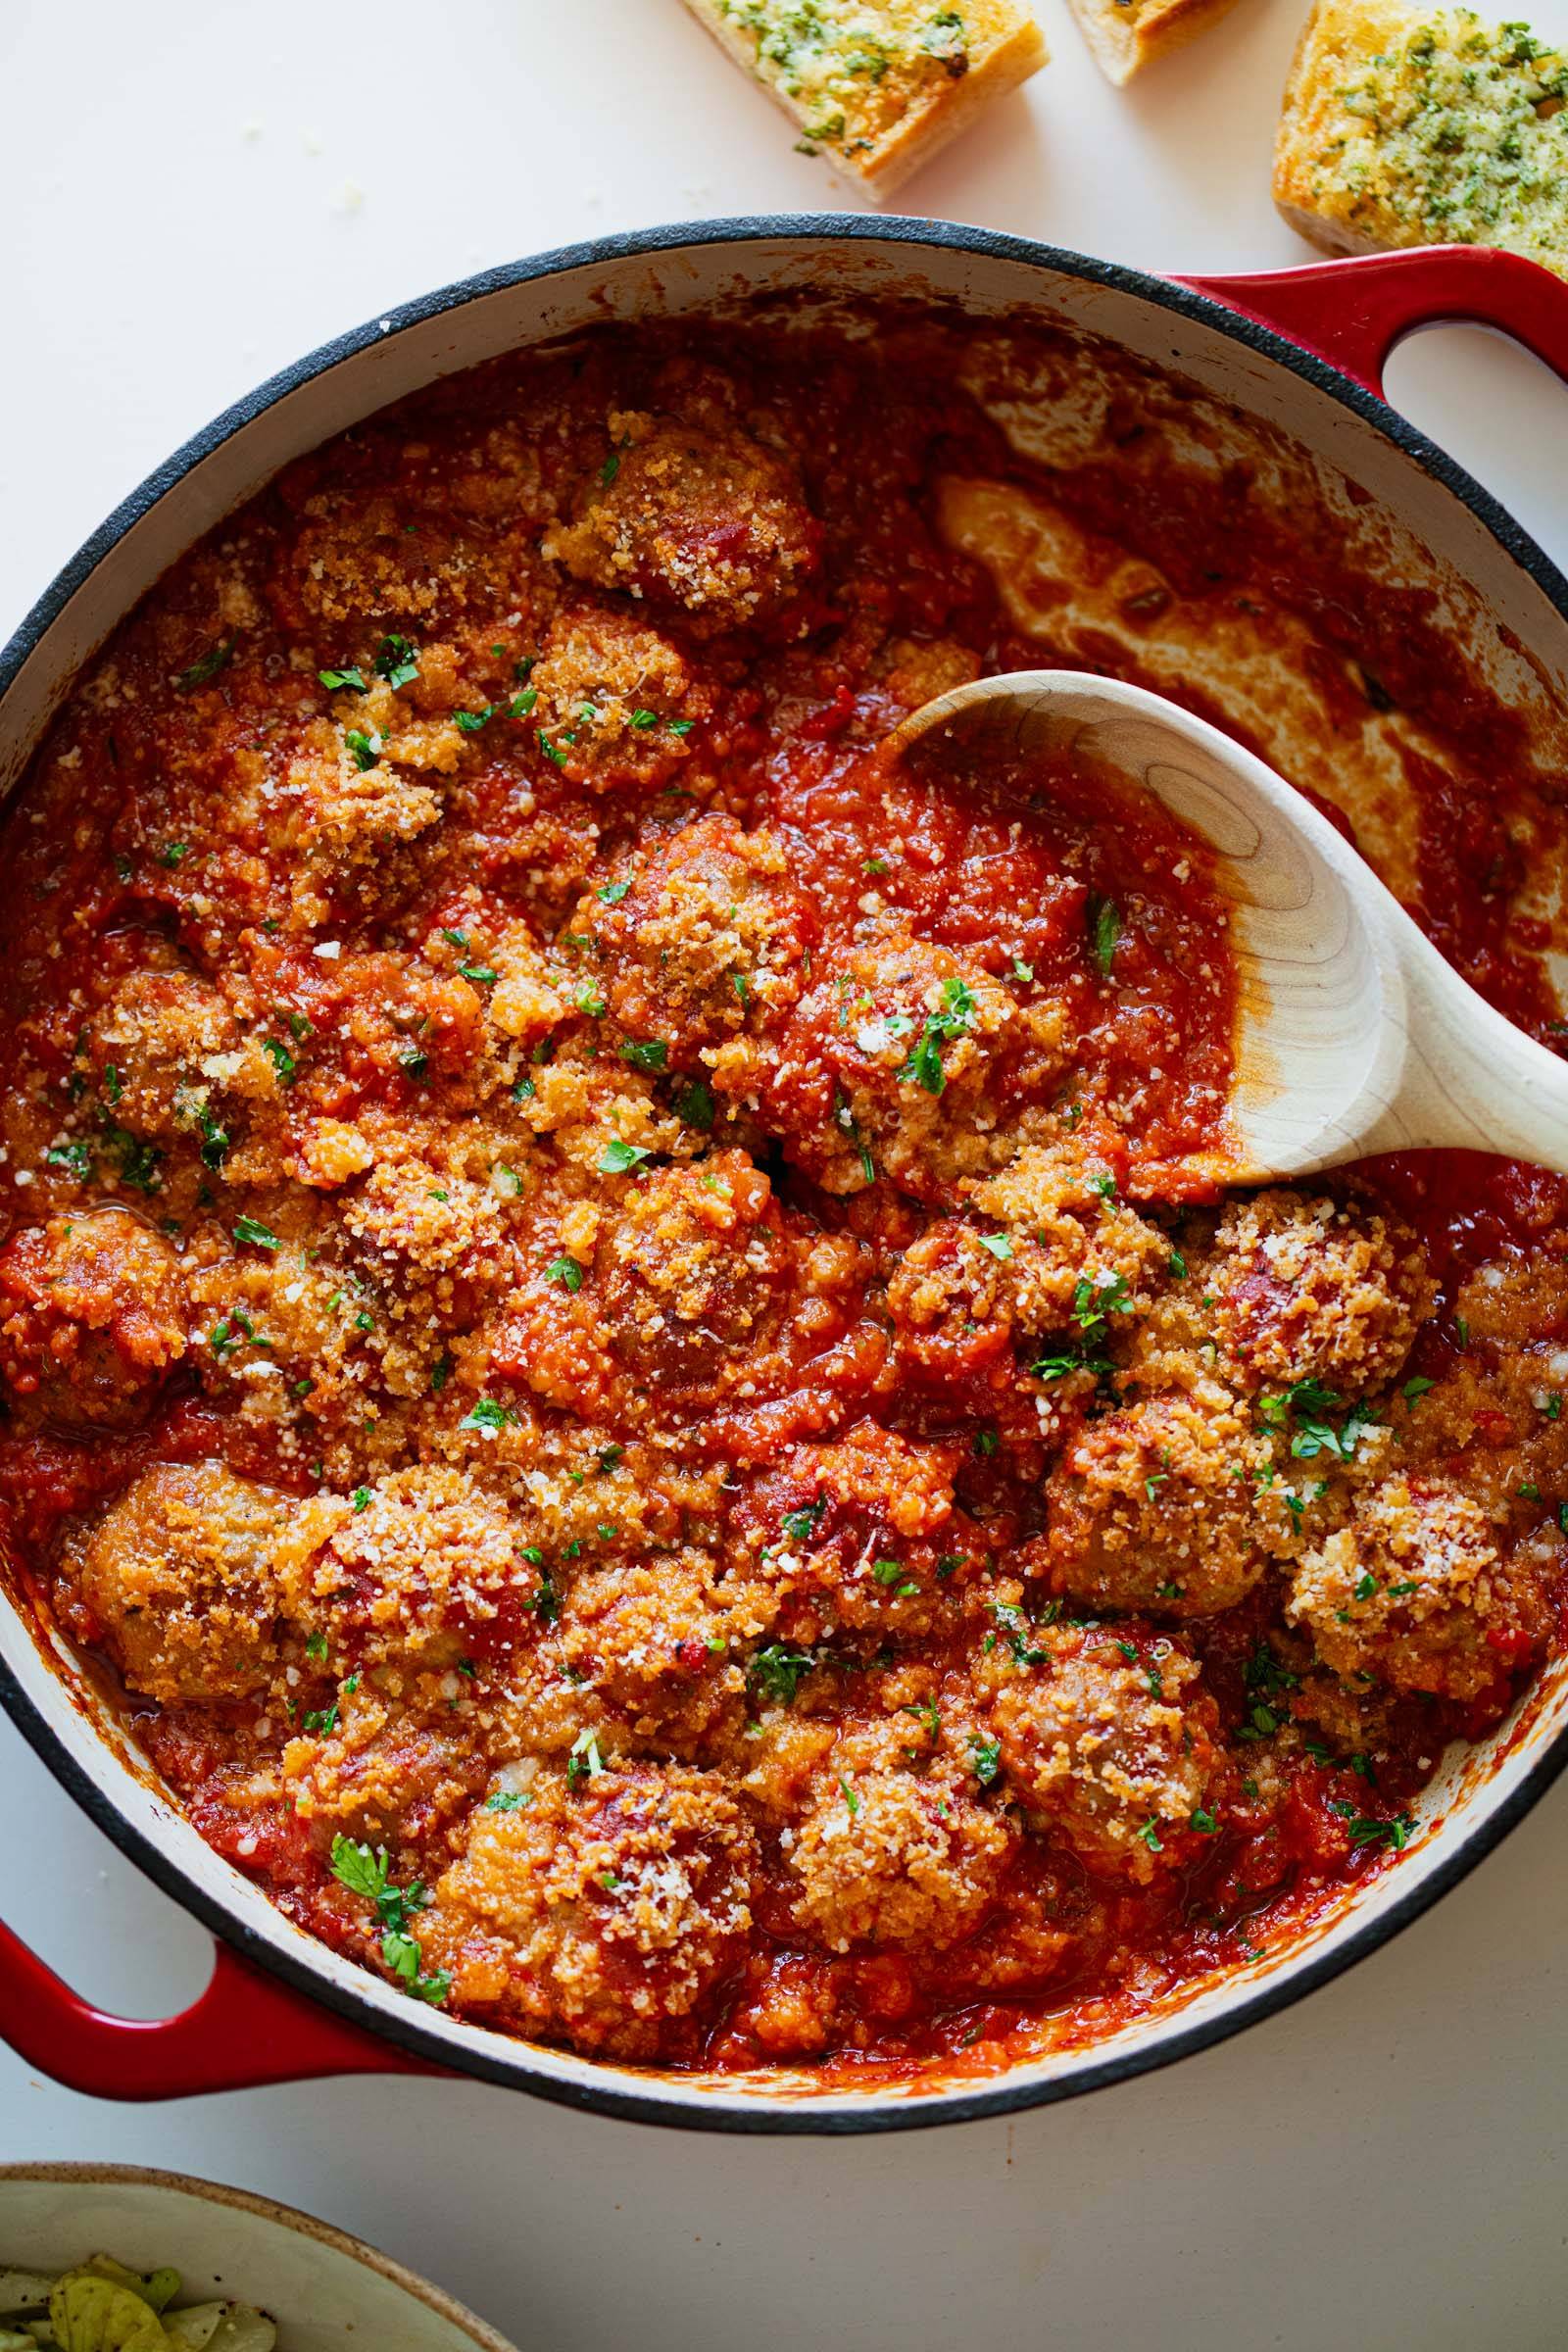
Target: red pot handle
{"x": 1352, "y": 313}
{"x": 246, "y": 2029}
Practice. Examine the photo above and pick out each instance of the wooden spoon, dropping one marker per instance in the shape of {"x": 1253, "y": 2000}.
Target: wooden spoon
{"x": 1354, "y": 1036}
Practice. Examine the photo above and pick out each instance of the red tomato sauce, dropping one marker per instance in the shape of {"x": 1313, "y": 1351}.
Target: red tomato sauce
{"x": 611, "y": 1328}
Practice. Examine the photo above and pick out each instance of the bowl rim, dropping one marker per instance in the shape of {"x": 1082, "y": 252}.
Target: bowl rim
{"x": 269, "y": 2209}
{"x": 620, "y": 2092}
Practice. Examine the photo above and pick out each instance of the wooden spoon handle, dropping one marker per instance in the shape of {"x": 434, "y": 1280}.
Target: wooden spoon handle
{"x": 1470, "y": 1078}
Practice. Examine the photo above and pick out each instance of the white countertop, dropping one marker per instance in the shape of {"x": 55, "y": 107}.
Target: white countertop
{"x": 193, "y": 195}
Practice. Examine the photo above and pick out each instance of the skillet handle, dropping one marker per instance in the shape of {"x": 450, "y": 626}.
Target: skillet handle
{"x": 245, "y": 2029}
{"x": 1352, "y": 313}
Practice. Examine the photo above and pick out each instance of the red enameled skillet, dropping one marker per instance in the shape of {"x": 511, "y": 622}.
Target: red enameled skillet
{"x": 1300, "y": 351}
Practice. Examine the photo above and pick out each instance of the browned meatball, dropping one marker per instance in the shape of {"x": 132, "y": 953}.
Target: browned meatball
{"x": 608, "y": 1910}
{"x": 615, "y": 700}
{"x": 701, "y": 1280}
{"x": 709, "y": 940}
{"x": 661, "y": 1641}
{"x": 383, "y": 1775}
{"x": 1074, "y": 1246}
{"x": 92, "y": 1315}
{"x": 901, "y": 1061}
{"x": 887, "y": 1855}
{"x": 149, "y": 1046}
{"x": 860, "y": 1537}
{"x": 1318, "y": 1290}
{"x": 191, "y": 1575}
{"x": 422, "y": 1569}
{"x": 1110, "y": 1745}
{"x": 1173, "y": 1503}
{"x": 1411, "y": 1592}
{"x": 698, "y": 517}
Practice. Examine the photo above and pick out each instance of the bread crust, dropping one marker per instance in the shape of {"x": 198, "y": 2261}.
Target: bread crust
{"x": 1123, "y": 38}
{"x": 1008, "y": 47}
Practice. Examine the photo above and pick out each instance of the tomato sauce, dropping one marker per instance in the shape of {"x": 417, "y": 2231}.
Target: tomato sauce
{"x": 613, "y": 1324}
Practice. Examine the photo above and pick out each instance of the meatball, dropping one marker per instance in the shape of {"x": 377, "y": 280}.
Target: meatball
{"x": 709, "y": 940}
{"x": 416, "y": 1219}
{"x": 615, "y": 700}
{"x": 1411, "y": 1592}
{"x": 91, "y": 1317}
{"x": 159, "y": 1048}
{"x": 608, "y": 1911}
{"x": 383, "y": 1776}
{"x": 886, "y": 1855}
{"x": 1110, "y": 1745}
{"x": 694, "y": 518}
{"x": 190, "y": 1574}
{"x": 1175, "y": 1502}
{"x": 697, "y": 1280}
{"x": 902, "y": 1061}
{"x": 1073, "y": 1243}
{"x": 861, "y": 1536}
{"x": 661, "y": 1641}
{"x": 1316, "y": 1290}
{"x": 288, "y": 1330}
{"x": 952, "y": 1307}
{"x": 420, "y": 1569}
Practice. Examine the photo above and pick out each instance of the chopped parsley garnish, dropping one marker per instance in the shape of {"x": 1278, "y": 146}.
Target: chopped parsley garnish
{"x": 281, "y": 1060}
{"x": 567, "y": 1271}
{"x": 1103, "y": 917}
{"x": 206, "y": 667}
{"x": 613, "y": 892}
{"x": 695, "y": 1104}
{"x": 799, "y": 1527}
{"x": 470, "y": 722}
{"x": 174, "y": 852}
{"x": 397, "y": 659}
{"x": 1413, "y": 1389}
{"x": 1365, "y": 1831}
{"x": 1203, "y": 1823}
{"x": 365, "y": 749}
{"x": 1015, "y": 1624}
{"x": 362, "y": 1500}
{"x": 507, "y": 1801}
{"x": 984, "y": 1757}
{"x": 923, "y": 1067}
{"x": 647, "y": 1054}
{"x": 1096, "y": 1296}
{"x": 998, "y": 1243}
{"x": 487, "y": 1413}
{"x": 618, "y": 1158}
{"x": 1306, "y": 1404}
{"x": 215, "y": 1139}
{"x": 366, "y": 1873}
{"x": 252, "y": 1229}
{"x": 333, "y": 679}
{"x": 483, "y": 975}
{"x": 584, "y": 1763}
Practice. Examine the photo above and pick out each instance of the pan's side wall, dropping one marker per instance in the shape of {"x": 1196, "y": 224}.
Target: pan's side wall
{"x": 1425, "y": 531}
